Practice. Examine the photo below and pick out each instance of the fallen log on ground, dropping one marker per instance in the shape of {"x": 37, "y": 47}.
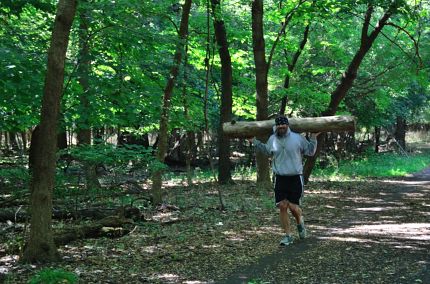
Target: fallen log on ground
{"x": 20, "y": 214}
{"x": 112, "y": 226}
{"x": 247, "y": 129}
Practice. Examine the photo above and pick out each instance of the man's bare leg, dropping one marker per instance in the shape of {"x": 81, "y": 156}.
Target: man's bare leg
{"x": 297, "y": 213}
{"x": 285, "y": 223}
{"x": 283, "y": 214}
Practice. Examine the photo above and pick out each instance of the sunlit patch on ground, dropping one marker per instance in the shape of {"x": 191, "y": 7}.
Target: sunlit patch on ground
{"x": 165, "y": 217}
{"x": 149, "y": 249}
{"x": 212, "y": 246}
{"x": 234, "y": 236}
{"x": 407, "y": 182}
{"x": 379, "y": 209}
{"x": 168, "y": 277}
{"x": 6, "y": 263}
{"x": 412, "y": 231}
{"x": 346, "y": 239}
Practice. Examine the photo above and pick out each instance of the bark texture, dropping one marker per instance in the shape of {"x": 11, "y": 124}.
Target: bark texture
{"x": 224, "y": 165}
{"x": 168, "y": 90}
{"x": 400, "y": 133}
{"x": 261, "y": 70}
{"x": 41, "y": 247}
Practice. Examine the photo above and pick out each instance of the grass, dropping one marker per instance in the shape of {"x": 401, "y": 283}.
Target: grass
{"x": 376, "y": 165}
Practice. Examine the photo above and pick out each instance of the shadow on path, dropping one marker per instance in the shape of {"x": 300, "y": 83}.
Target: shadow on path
{"x": 375, "y": 231}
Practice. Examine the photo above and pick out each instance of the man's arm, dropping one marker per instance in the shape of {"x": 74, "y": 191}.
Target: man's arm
{"x": 260, "y": 146}
{"x": 310, "y": 147}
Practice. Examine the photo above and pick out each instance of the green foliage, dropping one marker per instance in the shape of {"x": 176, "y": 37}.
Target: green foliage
{"x": 121, "y": 158}
{"x": 14, "y": 176}
{"x": 131, "y": 47}
{"x": 22, "y": 56}
{"x": 53, "y": 276}
{"x": 244, "y": 172}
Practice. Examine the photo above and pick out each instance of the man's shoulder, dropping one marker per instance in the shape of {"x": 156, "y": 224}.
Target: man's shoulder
{"x": 295, "y": 134}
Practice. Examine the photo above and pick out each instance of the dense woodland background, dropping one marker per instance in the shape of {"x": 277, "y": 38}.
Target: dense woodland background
{"x": 100, "y": 94}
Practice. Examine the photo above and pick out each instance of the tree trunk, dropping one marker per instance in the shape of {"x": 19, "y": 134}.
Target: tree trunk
{"x": 62, "y": 133}
{"x": 13, "y": 142}
{"x": 400, "y": 133}
{"x": 41, "y": 247}
{"x": 188, "y": 133}
{"x": 83, "y": 71}
{"x": 261, "y": 70}
{"x": 224, "y": 165}
{"x": 168, "y": 90}
{"x": 6, "y": 140}
{"x": 351, "y": 73}
{"x": 377, "y": 138}
{"x": 62, "y": 140}
{"x": 245, "y": 129}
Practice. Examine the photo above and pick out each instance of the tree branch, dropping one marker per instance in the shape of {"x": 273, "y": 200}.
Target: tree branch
{"x": 288, "y": 18}
{"x": 365, "y": 29}
{"x": 417, "y": 53}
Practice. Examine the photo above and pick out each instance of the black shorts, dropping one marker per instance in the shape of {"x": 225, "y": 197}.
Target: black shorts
{"x": 289, "y": 188}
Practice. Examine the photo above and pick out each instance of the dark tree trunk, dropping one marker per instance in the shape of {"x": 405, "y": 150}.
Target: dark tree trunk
{"x": 62, "y": 133}
{"x": 62, "y": 140}
{"x": 168, "y": 90}
{"x": 190, "y": 156}
{"x": 261, "y": 70}
{"x": 13, "y": 143}
{"x": 40, "y": 246}
{"x": 6, "y": 140}
{"x": 98, "y": 134}
{"x": 224, "y": 165}
{"x": 377, "y": 138}
{"x": 24, "y": 140}
{"x": 189, "y": 134}
{"x": 350, "y": 74}
{"x": 400, "y": 133}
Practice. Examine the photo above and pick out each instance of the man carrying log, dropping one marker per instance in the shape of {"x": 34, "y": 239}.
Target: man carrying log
{"x": 286, "y": 148}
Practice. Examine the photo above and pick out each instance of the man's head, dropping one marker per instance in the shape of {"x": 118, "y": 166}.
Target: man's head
{"x": 281, "y": 125}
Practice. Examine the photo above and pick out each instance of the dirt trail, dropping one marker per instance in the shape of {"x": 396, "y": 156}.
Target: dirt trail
{"x": 375, "y": 231}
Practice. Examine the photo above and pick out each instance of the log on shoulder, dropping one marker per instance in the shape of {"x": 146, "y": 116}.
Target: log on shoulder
{"x": 244, "y": 129}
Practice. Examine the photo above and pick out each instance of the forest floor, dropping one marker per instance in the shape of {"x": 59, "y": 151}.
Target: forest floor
{"x": 360, "y": 231}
